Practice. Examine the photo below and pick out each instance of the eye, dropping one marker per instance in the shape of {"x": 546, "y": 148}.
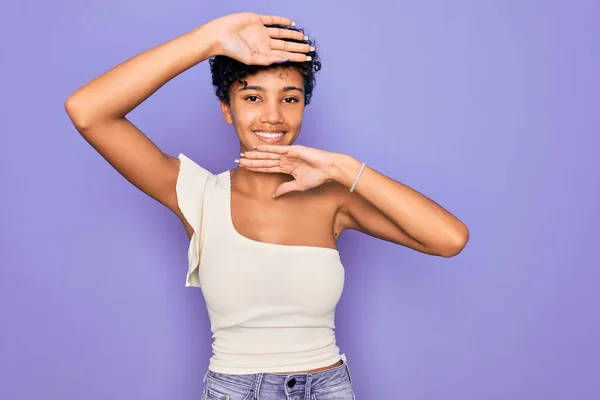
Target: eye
{"x": 290, "y": 100}
{"x": 251, "y": 98}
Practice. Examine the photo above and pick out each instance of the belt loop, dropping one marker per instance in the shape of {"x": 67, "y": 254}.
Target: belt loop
{"x": 257, "y": 382}
{"x": 205, "y": 375}
{"x": 347, "y": 367}
{"x": 308, "y": 386}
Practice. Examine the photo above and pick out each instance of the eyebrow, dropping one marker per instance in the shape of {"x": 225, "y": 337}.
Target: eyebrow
{"x": 260, "y": 88}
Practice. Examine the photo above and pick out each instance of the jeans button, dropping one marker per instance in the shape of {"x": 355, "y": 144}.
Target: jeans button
{"x": 292, "y": 382}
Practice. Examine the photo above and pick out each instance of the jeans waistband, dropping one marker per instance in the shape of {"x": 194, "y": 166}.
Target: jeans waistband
{"x": 274, "y": 381}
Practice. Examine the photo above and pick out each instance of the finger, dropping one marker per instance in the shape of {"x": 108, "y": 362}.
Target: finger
{"x": 291, "y": 46}
{"x": 269, "y": 148}
{"x": 272, "y": 170}
{"x": 286, "y": 187}
{"x": 278, "y": 56}
{"x": 263, "y": 59}
{"x": 276, "y": 20}
{"x": 259, "y": 155}
{"x": 280, "y": 33}
{"x": 258, "y": 163}
{"x": 293, "y": 57}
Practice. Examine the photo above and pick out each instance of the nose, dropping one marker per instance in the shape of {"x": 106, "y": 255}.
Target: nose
{"x": 271, "y": 113}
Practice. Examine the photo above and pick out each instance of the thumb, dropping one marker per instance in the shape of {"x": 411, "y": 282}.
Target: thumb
{"x": 286, "y": 187}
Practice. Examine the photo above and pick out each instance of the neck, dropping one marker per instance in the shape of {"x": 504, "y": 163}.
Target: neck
{"x": 258, "y": 184}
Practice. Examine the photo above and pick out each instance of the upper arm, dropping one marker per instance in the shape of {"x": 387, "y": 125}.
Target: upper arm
{"x": 359, "y": 214}
{"x": 136, "y": 158}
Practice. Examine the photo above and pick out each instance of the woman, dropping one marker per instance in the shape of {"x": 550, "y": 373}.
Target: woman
{"x": 262, "y": 236}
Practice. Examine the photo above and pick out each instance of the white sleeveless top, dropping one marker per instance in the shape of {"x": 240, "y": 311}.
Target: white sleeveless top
{"x": 271, "y": 306}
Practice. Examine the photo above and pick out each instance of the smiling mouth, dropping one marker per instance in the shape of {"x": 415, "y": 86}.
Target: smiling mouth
{"x": 269, "y": 135}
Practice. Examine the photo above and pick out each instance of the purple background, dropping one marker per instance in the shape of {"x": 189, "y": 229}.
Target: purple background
{"x": 488, "y": 107}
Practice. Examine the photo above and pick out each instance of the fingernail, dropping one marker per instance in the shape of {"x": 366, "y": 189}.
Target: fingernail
{"x": 293, "y": 23}
{"x": 253, "y": 147}
{"x": 305, "y": 37}
{"x": 312, "y": 48}
{"x": 242, "y": 154}
{"x": 282, "y": 61}
{"x": 273, "y": 195}
{"x": 237, "y": 161}
{"x": 308, "y": 58}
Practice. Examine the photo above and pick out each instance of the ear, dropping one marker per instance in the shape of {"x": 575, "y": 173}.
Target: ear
{"x": 226, "y": 110}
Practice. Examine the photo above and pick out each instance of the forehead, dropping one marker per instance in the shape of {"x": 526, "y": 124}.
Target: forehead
{"x": 273, "y": 79}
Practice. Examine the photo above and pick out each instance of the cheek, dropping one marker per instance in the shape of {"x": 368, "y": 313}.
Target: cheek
{"x": 244, "y": 115}
{"x": 294, "y": 116}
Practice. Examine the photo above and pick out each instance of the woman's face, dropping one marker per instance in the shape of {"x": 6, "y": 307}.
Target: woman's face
{"x": 269, "y": 109}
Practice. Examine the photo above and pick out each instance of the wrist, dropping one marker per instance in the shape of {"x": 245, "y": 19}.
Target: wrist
{"x": 344, "y": 169}
{"x": 206, "y": 41}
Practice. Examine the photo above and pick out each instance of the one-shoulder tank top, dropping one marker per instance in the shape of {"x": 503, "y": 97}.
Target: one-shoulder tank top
{"x": 271, "y": 306}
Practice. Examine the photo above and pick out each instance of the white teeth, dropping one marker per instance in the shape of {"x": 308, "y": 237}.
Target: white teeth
{"x": 269, "y": 135}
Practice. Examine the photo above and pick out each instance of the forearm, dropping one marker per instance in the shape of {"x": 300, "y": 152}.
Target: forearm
{"x": 118, "y": 91}
{"x": 418, "y": 216}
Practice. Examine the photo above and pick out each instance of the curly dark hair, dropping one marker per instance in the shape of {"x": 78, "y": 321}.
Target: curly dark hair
{"x": 225, "y": 71}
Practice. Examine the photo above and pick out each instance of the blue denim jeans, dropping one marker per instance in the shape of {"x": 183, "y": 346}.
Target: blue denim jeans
{"x": 332, "y": 384}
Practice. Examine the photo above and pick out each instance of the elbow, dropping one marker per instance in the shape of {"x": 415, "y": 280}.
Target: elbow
{"x": 455, "y": 246}
{"x": 74, "y": 111}
{"x": 79, "y": 114}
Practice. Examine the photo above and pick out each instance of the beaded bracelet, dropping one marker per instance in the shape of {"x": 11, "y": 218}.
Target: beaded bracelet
{"x": 360, "y": 171}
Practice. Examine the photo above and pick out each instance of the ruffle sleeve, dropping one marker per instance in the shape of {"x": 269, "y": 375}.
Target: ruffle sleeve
{"x": 194, "y": 184}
